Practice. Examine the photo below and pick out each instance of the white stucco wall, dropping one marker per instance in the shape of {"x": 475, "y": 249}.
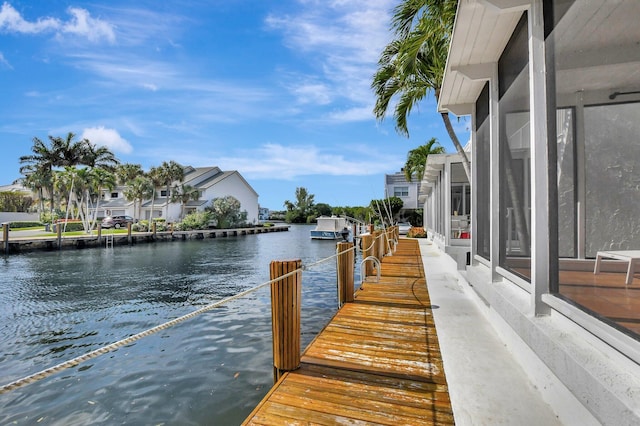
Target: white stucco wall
{"x": 235, "y": 186}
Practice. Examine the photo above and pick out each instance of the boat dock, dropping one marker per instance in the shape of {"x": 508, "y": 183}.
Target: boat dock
{"x": 382, "y": 358}
{"x": 22, "y": 241}
{"x": 377, "y": 361}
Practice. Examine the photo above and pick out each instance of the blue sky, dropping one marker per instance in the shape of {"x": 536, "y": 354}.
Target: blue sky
{"x": 276, "y": 89}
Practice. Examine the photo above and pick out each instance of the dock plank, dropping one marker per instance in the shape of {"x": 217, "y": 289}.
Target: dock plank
{"x": 378, "y": 360}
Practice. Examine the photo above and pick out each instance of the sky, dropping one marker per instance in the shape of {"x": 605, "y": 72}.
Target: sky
{"x": 279, "y": 90}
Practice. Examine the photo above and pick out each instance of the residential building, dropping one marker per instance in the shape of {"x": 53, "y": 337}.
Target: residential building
{"x": 396, "y": 185}
{"x": 211, "y": 183}
{"x": 445, "y": 193}
{"x": 553, "y": 91}
{"x": 263, "y": 213}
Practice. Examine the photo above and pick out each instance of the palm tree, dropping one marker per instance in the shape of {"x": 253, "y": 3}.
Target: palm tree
{"x": 417, "y": 158}
{"x": 156, "y": 178}
{"x": 412, "y": 65}
{"x": 127, "y": 172}
{"x": 183, "y": 194}
{"x": 169, "y": 173}
{"x": 139, "y": 189}
{"x": 68, "y": 151}
{"x": 101, "y": 179}
{"x": 61, "y": 152}
{"x": 100, "y": 157}
{"x": 40, "y": 165}
{"x": 37, "y": 180}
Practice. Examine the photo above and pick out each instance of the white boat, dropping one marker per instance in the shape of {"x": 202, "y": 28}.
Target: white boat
{"x": 330, "y": 228}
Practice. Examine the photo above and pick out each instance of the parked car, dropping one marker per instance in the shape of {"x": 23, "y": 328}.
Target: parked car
{"x": 117, "y": 221}
{"x": 404, "y": 227}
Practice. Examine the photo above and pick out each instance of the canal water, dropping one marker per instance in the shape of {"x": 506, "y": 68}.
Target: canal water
{"x": 209, "y": 370}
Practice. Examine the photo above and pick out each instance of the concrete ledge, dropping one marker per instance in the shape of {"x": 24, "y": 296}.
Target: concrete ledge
{"x": 587, "y": 381}
{"x": 494, "y": 377}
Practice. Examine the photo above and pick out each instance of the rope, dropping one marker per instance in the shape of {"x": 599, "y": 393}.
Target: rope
{"x": 113, "y": 346}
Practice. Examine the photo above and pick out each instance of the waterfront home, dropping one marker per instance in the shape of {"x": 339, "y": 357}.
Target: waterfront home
{"x": 210, "y": 182}
{"x": 397, "y": 185}
{"x": 553, "y": 91}
{"x": 445, "y": 193}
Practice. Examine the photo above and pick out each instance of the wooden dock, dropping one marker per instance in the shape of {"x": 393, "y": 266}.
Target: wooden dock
{"x": 377, "y": 362}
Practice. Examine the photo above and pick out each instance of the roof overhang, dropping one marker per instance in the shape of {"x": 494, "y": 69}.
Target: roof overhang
{"x": 480, "y": 34}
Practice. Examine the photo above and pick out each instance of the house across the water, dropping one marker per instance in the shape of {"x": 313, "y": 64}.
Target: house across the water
{"x": 210, "y": 182}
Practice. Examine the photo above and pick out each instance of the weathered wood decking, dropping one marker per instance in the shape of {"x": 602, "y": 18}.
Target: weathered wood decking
{"x": 377, "y": 362}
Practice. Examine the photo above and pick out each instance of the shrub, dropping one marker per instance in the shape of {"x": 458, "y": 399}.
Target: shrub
{"x": 193, "y": 221}
{"x": 72, "y": 225}
{"x": 15, "y": 225}
{"x": 417, "y": 232}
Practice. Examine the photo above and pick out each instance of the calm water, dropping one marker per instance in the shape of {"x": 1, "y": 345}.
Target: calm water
{"x": 212, "y": 369}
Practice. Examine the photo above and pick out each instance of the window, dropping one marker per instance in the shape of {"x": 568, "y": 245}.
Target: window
{"x": 597, "y": 122}
{"x": 400, "y": 191}
{"x": 114, "y": 195}
{"x": 483, "y": 164}
{"x": 514, "y": 146}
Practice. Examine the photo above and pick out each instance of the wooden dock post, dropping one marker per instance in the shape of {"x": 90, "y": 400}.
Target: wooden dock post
{"x": 286, "y": 300}
{"x": 345, "y": 267}
{"x": 5, "y": 237}
{"x": 367, "y": 250}
{"x": 59, "y": 235}
{"x": 129, "y": 238}
{"x": 154, "y": 228}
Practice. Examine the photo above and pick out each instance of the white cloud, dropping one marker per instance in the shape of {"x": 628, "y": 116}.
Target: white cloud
{"x": 80, "y": 24}
{"x": 83, "y": 24}
{"x": 316, "y": 93}
{"x": 107, "y": 137}
{"x": 344, "y": 40}
{"x": 4, "y": 62}
{"x": 12, "y": 21}
{"x": 277, "y": 161}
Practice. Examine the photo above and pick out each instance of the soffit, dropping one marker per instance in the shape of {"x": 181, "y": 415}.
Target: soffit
{"x": 481, "y": 31}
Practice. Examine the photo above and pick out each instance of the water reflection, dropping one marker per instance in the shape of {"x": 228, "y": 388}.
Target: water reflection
{"x": 212, "y": 369}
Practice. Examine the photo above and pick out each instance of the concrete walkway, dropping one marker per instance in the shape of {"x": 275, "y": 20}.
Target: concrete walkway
{"x": 487, "y": 385}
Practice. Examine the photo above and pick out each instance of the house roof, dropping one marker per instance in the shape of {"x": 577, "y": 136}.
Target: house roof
{"x": 206, "y": 177}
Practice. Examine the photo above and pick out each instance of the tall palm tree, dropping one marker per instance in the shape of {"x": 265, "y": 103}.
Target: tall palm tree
{"x": 412, "y": 65}
{"x": 40, "y": 165}
{"x": 127, "y": 172}
{"x": 62, "y": 152}
{"x": 156, "y": 178}
{"x": 417, "y": 158}
{"x": 183, "y": 194}
{"x": 170, "y": 172}
{"x": 37, "y": 180}
{"x": 101, "y": 179}
{"x": 139, "y": 189}
{"x": 100, "y": 157}
{"x": 69, "y": 152}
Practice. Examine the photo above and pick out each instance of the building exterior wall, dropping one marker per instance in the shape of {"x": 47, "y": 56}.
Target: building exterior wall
{"x": 235, "y": 186}
{"x": 560, "y": 90}
{"x": 396, "y": 185}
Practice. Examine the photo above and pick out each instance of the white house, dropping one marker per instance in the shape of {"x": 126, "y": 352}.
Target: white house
{"x": 445, "y": 193}
{"x": 211, "y": 182}
{"x": 553, "y": 90}
{"x": 396, "y": 185}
